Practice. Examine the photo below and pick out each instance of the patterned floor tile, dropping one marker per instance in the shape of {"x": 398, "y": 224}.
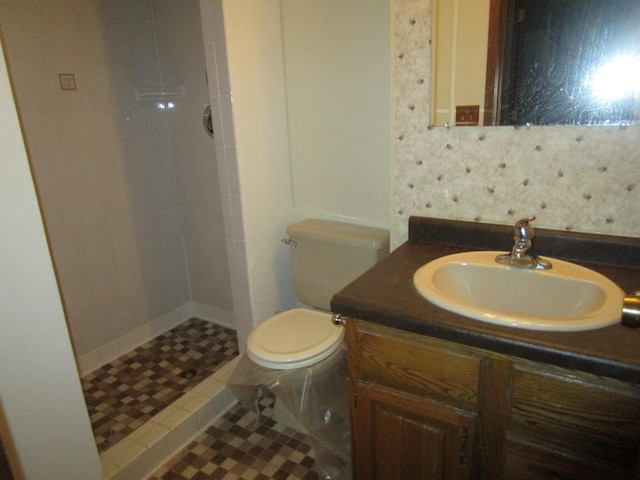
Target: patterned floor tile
{"x": 127, "y": 392}
{"x": 231, "y": 449}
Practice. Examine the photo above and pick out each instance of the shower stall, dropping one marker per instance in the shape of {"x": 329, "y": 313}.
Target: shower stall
{"x": 111, "y": 96}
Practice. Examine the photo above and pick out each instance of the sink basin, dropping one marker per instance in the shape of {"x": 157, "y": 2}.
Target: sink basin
{"x": 567, "y": 297}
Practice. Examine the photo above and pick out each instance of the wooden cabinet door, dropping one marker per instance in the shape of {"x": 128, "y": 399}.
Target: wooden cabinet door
{"x": 399, "y": 436}
{"x": 571, "y": 425}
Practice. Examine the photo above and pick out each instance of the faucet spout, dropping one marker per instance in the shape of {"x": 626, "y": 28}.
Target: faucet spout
{"x": 520, "y": 256}
{"x": 523, "y": 231}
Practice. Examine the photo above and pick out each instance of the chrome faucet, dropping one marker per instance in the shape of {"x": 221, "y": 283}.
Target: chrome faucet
{"x": 523, "y": 235}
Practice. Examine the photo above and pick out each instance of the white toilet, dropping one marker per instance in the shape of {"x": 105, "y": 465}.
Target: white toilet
{"x": 326, "y": 256}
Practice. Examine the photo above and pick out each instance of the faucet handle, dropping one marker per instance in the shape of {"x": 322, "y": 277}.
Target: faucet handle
{"x": 525, "y": 221}
{"x": 522, "y": 231}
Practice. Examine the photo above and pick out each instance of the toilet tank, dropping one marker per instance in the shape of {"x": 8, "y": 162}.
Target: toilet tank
{"x": 328, "y": 255}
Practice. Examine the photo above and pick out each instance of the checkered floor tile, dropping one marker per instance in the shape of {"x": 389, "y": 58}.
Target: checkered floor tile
{"x": 232, "y": 449}
{"x": 127, "y": 392}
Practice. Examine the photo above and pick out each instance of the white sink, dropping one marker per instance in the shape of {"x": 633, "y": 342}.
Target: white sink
{"x": 567, "y": 297}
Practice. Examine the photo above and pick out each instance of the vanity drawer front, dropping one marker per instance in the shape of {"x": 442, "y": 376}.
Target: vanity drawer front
{"x": 584, "y": 415}
{"x": 415, "y": 364}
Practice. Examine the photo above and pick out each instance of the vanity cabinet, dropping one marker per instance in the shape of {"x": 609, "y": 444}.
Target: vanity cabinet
{"x": 424, "y": 408}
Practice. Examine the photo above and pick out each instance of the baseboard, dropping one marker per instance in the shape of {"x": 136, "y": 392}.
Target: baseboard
{"x": 96, "y": 358}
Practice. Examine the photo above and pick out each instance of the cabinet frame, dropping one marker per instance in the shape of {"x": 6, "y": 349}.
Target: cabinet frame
{"x": 514, "y": 418}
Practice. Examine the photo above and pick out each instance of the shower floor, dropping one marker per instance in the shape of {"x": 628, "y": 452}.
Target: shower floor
{"x": 122, "y": 395}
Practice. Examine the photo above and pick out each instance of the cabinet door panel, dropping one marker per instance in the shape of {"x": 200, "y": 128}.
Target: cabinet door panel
{"x": 400, "y": 436}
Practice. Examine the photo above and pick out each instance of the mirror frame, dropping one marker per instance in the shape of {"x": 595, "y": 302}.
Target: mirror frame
{"x": 495, "y": 62}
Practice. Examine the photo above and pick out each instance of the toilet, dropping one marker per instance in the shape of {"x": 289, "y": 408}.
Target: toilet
{"x": 326, "y": 256}
{"x": 298, "y": 356}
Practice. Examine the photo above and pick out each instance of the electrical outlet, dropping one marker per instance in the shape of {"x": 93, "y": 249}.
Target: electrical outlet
{"x": 467, "y": 114}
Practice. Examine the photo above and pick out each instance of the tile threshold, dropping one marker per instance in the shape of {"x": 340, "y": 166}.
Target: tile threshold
{"x": 147, "y": 448}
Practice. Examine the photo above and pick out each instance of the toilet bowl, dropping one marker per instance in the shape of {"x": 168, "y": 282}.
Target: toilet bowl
{"x": 293, "y": 339}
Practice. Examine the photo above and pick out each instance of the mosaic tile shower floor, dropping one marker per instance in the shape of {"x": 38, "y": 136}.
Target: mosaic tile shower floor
{"x": 124, "y": 394}
{"x": 231, "y": 449}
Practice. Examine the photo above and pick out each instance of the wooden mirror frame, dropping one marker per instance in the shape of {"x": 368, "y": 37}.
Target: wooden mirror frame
{"x": 498, "y": 36}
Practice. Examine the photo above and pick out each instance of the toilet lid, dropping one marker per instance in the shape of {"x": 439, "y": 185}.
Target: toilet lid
{"x": 295, "y": 338}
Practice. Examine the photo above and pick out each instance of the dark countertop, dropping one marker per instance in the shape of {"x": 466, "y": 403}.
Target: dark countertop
{"x": 386, "y": 295}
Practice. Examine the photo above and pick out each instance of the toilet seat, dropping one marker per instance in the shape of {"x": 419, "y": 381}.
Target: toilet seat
{"x": 295, "y": 338}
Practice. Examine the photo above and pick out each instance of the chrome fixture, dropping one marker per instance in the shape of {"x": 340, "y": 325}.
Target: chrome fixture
{"x": 631, "y": 310}
{"x": 207, "y": 121}
{"x": 523, "y": 235}
{"x": 339, "y": 319}
{"x": 290, "y": 242}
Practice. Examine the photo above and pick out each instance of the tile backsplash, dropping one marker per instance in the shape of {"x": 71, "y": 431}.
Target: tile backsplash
{"x": 572, "y": 178}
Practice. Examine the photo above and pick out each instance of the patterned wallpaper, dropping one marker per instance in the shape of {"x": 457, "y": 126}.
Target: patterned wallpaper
{"x": 572, "y": 178}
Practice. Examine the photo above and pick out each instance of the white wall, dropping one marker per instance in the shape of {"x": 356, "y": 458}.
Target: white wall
{"x": 40, "y": 394}
{"x": 338, "y": 78}
{"x": 261, "y": 267}
{"x": 311, "y": 112}
{"x": 181, "y": 51}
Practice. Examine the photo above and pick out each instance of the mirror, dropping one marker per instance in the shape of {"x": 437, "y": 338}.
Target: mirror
{"x": 538, "y": 62}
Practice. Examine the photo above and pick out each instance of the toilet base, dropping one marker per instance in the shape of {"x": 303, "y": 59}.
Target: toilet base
{"x": 314, "y": 397}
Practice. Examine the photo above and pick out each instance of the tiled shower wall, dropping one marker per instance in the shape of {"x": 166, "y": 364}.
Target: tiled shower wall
{"x": 572, "y": 178}
{"x": 129, "y": 191}
{"x": 182, "y": 59}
